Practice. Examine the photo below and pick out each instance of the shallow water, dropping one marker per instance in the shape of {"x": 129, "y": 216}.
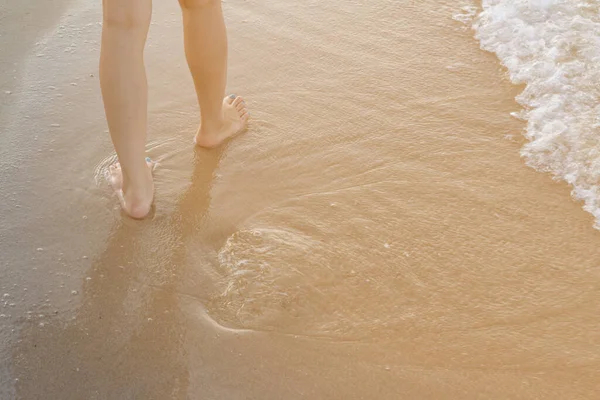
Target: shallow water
{"x": 374, "y": 234}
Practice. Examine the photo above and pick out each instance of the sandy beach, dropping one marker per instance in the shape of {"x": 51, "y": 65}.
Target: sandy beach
{"x": 375, "y": 234}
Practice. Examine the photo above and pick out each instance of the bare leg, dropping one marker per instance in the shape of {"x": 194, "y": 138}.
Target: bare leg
{"x": 125, "y": 95}
{"x": 206, "y": 52}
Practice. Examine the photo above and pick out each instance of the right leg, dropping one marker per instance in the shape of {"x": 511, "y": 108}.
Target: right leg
{"x": 206, "y": 53}
{"x": 125, "y": 94}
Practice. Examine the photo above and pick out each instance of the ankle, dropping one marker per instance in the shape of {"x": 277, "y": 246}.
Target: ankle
{"x": 138, "y": 183}
{"x": 211, "y": 125}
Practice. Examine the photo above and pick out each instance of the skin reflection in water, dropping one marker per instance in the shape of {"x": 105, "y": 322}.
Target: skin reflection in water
{"x": 127, "y": 338}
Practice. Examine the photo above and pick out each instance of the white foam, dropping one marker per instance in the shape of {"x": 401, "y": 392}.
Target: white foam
{"x": 553, "y": 47}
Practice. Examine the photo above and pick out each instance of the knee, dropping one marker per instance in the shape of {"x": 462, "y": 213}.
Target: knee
{"x": 128, "y": 14}
{"x": 198, "y": 4}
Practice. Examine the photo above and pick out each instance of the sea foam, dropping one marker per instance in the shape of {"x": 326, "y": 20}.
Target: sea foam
{"x": 553, "y": 48}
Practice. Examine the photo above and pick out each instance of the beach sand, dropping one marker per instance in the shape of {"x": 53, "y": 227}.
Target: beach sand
{"x": 374, "y": 235}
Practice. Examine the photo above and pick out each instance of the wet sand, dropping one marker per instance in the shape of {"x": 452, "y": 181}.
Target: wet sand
{"x": 373, "y": 235}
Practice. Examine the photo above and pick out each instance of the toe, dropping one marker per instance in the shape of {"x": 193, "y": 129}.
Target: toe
{"x": 229, "y": 99}
{"x": 151, "y": 163}
{"x": 238, "y": 100}
{"x": 241, "y": 107}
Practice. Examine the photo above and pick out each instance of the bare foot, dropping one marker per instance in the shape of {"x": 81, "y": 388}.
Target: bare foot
{"x": 235, "y": 120}
{"x": 136, "y": 198}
